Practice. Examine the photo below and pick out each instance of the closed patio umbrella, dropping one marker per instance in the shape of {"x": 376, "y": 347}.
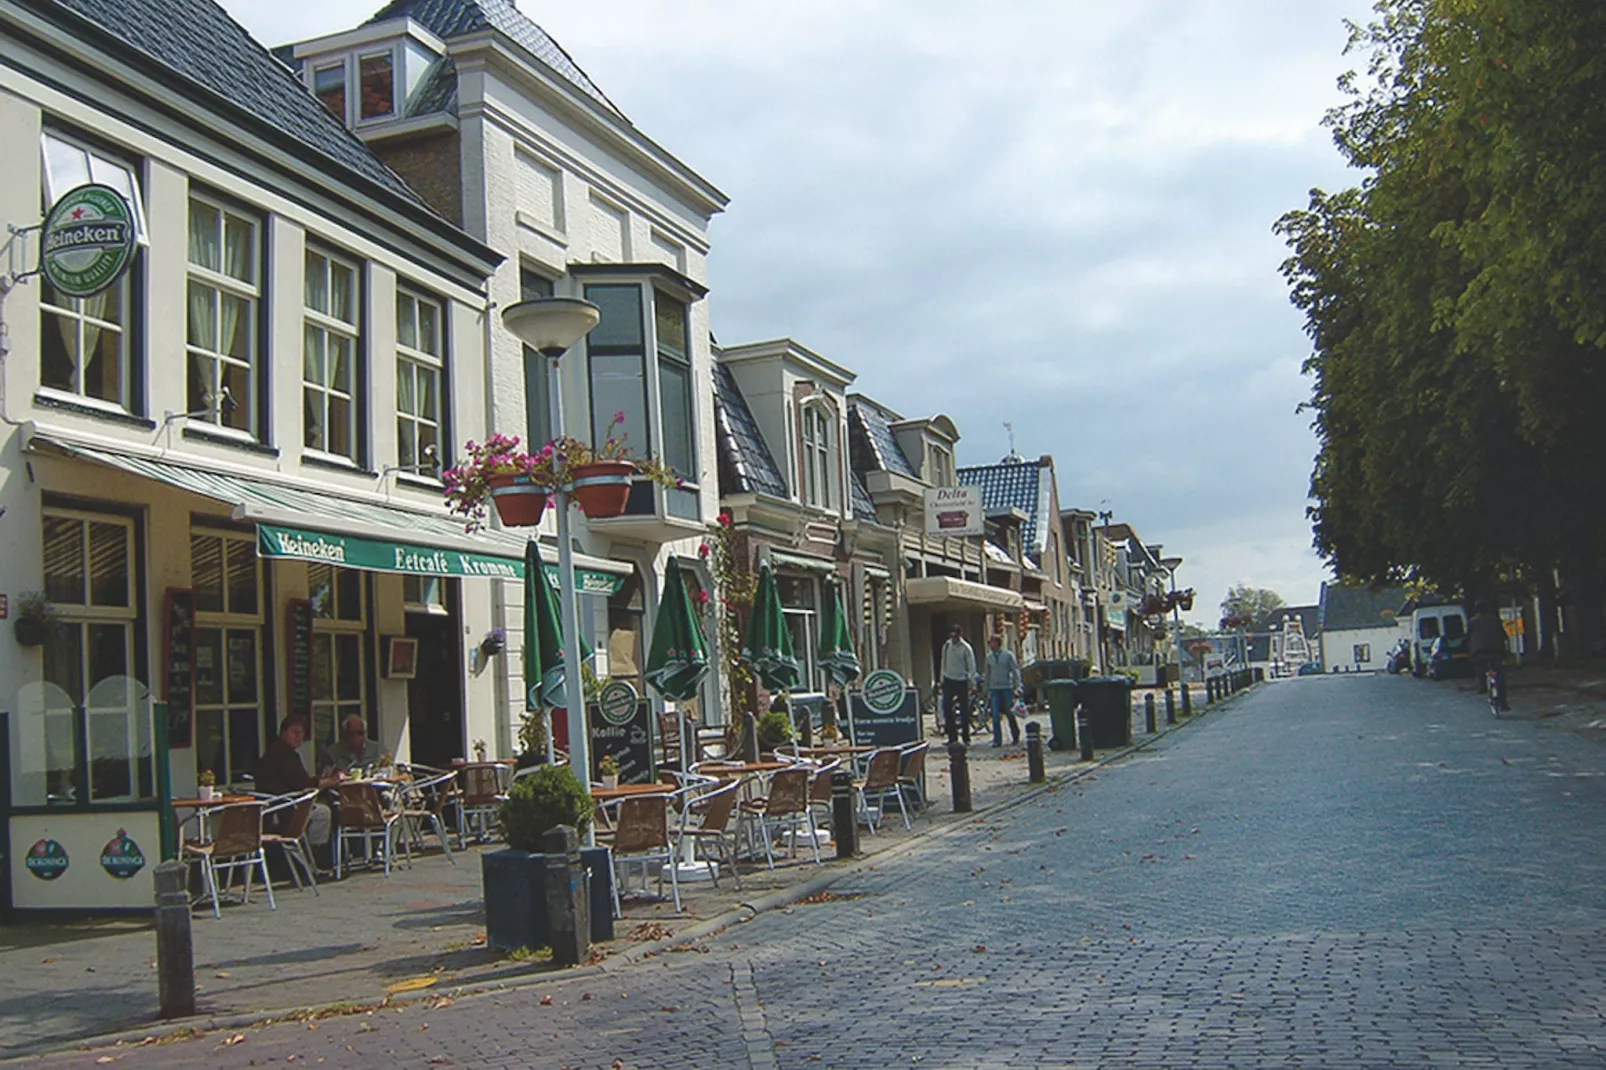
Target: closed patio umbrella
{"x": 768, "y": 648}
{"x": 838, "y": 659}
{"x": 544, "y": 675}
{"x": 678, "y": 659}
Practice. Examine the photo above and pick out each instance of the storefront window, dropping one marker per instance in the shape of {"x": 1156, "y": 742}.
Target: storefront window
{"x": 799, "y": 604}
{"x": 338, "y": 678}
{"x": 228, "y": 685}
{"x": 626, "y": 657}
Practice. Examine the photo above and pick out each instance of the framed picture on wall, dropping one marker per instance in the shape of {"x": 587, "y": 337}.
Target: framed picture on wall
{"x": 401, "y": 657}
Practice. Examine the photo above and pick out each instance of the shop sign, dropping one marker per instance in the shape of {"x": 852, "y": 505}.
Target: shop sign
{"x": 87, "y": 241}
{"x": 618, "y": 702}
{"x": 121, "y": 857}
{"x": 46, "y": 860}
{"x": 953, "y": 511}
{"x": 883, "y": 691}
{"x": 628, "y": 741}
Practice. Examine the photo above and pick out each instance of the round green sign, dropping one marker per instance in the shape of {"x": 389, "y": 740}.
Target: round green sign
{"x": 618, "y": 702}
{"x": 883, "y": 691}
{"x": 87, "y": 241}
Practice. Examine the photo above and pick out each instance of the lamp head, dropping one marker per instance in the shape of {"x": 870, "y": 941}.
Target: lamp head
{"x": 550, "y": 325}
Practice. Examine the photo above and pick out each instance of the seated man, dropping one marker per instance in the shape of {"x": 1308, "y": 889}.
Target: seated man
{"x": 353, "y": 750}
{"x": 280, "y": 772}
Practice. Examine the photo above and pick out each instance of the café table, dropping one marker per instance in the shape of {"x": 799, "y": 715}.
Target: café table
{"x": 203, "y": 808}
{"x": 834, "y": 750}
{"x": 725, "y": 770}
{"x": 601, "y": 795}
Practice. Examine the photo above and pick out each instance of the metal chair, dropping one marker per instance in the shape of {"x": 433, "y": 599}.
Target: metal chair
{"x": 423, "y": 803}
{"x": 291, "y": 835}
{"x": 365, "y": 817}
{"x": 912, "y": 774}
{"x": 642, "y": 837}
{"x": 483, "y": 792}
{"x": 881, "y": 780}
{"x": 820, "y": 789}
{"x": 786, "y": 807}
{"x": 237, "y": 844}
{"x": 706, "y": 819}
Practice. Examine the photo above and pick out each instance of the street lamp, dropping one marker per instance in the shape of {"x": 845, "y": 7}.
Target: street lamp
{"x": 551, "y": 326}
{"x": 1171, "y": 564}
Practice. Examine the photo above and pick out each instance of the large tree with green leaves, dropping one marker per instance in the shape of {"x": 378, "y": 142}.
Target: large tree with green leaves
{"x": 1252, "y": 603}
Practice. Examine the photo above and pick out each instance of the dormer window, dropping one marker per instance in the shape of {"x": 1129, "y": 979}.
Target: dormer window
{"x": 373, "y": 74}
{"x": 329, "y": 86}
{"x": 939, "y": 466}
{"x": 378, "y": 74}
{"x": 817, "y": 467}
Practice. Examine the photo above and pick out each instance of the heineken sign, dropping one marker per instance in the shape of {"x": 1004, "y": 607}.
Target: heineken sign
{"x": 87, "y": 241}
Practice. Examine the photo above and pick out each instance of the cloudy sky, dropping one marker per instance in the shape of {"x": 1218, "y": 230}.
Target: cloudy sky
{"x": 1054, "y": 213}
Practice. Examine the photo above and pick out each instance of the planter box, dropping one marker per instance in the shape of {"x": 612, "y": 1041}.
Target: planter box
{"x": 515, "y": 897}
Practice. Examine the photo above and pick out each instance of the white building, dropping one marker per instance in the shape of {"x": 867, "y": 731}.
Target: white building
{"x": 1359, "y": 627}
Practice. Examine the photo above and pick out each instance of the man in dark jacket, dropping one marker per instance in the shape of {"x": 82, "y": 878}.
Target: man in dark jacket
{"x": 280, "y": 772}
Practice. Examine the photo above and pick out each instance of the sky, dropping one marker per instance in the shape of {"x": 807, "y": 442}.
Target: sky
{"x": 1054, "y": 214}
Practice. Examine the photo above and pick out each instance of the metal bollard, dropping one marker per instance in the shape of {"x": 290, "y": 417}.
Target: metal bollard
{"x": 568, "y": 907}
{"x": 1148, "y": 714}
{"x": 1035, "y": 772}
{"x": 803, "y": 726}
{"x": 844, "y": 822}
{"x": 959, "y": 775}
{"x": 1171, "y": 705}
{"x": 1187, "y": 700}
{"x": 749, "y": 737}
{"x": 1210, "y": 691}
{"x": 175, "y": 955}
{"x": 1084, "y": 736}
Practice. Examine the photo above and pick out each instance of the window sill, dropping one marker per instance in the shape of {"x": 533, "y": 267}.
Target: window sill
{"x": 416, "y": 482}
{"x": 530, "y": 222}
{"x": 230, "y": 439}
{"x": 334, "y": 463}
{"x": 93, "y": 408}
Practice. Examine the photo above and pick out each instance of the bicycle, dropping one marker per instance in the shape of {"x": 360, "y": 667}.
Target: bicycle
{"x": 1494, "y": 685}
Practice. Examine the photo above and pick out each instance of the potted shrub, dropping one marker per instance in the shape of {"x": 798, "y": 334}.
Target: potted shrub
{"x": 36, "y": 619}
{"x": 774, "y": 729}
{"x": 515, "y": 901}
{"x": 608, "y": 770}
{"x": 532, "y": 739}
{"x": 206, "y": 786}
{"x": 498, "y": 472}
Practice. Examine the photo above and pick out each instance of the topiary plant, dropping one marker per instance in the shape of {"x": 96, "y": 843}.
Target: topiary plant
{"x": 542, "y": 800}
{"x": 774, "y": 728}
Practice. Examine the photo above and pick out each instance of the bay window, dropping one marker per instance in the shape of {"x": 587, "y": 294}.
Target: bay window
{"x": 675, "y": 400}
{"x": 420, "y": 373}
{"x": 223, "y": 329}
{"x": 329, "y": 356}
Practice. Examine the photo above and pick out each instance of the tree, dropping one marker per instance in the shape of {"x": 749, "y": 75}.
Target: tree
{"x": 1255, "y": 603}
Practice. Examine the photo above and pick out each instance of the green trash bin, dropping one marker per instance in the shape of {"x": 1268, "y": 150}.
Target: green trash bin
{"x": 1107, "y": 701}
{"x": 1061, "y": 713}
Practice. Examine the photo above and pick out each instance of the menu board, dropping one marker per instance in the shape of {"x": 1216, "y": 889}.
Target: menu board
{"x": 299, "y": 648}
{"x": 886, "y": 728}
{"x": 623, "y": 733}
{"x": 178, "y": 664}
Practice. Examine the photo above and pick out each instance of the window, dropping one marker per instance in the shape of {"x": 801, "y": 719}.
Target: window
{"x": 817, "y": 481}
{"x": 424, "y": 594}
{"x": 329, "y": 86}
{"x": 799, "y": 606}
{"x": 377, "y": 81}
{"x": 420, "y": 372}
{"x": 537, "y": 376}
{"x": 939, "y": 466}
{"x": 338, "y": 678}
{"x": 226, "y": 576}
{"x": 223, "y": 296}
{"x": 618, "y": 371}
{"x": 84, "y": 342}
{"x": 675, "y": 401}
{"x": 329, "y": 356}
{"x": 1363, "y": 653}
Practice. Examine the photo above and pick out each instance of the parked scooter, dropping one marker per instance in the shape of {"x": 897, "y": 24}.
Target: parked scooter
{"x": 1400, "y": 657}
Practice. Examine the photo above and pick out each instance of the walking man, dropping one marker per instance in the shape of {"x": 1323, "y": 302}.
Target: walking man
{"x": 958, "y": 673}
{"x": 1001, "y": 676}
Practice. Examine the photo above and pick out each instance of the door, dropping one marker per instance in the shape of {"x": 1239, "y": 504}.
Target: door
{"x": 435, "y": 693}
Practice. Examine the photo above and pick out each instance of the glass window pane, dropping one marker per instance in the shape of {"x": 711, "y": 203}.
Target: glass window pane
{"x": 405, "y": 402}
{"x": 205, "y": 249}
{"x": 66, "y": 167}
{"x": 202, "y": 319}
{"x": 312, "y": 354}
{"x": 237, "y": 381}
{"x": 64, "y": 560}
{"x": 109, "y": 768}
{"x": 348, "y": 667}
{"x": 321, "y": 590}
{"x": 239, "y": 326}
{"x": 206, "y": 572}
{"x": 312, "y": 429}
{"x": 533, "y": 284}
{"x": 428, "y": 378}
{"x": 103, "y": 366}
{"x": 315, "y": 283}
{"x": 349, "y": 581}
{"x": 342, "y": 292}
{"x": 339, "y": 363}
{"x": 209, "y": 753}
{"x": 323, "y": 667}
{"x": 329, "y": 86}
{"x": 108, "y": 652}
{"x": 340, "y": 435}
{"x": 406, "y": 321}
{"x": 64, "y": 661}
{"x": 537, "y": 397}
{"x": 429, "y": 328}
{"x": 58, "y": 356}
{"x": 378, "y": 91}
{"x": 618, "y": 384}
{"x": 674, "y": 380}
{"x": 245, "y": 741}
{"x": 242, "y": 668}
{"x": 208, "y": 667}
{"x": 406, "y": 449}
{"x": 670, "y": 317}
{"x": 242, "y": 577}
{"x": 621, "y": 316}
{"x": 239, "y": 248}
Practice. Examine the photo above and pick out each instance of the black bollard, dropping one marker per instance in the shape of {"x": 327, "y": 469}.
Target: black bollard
{"x": 749, "y": 737}
{"x": 568, "y": 910}
{"x": 1035, "y": 773}
{"x": 844, "y": 821}
{"x": 1084, "y": 736}
{"x": 1148, "y": 714}
{"x": 1187, "y": 700}
{"x": 959, "y": 776}
{"x": 175, "y": 956}
{"x": 1171, "y": 705}
{"x": 1210, "y": 691}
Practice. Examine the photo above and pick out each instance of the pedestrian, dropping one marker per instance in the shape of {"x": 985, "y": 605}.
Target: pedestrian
{"x": 958, "y": 675}
{"x": 1001, "y": 677}
{"x": 1486, "y": 642}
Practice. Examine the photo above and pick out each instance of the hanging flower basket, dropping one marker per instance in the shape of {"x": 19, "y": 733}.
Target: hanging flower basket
{"x": 602, "y": 488}
{"x": 519, "y": 500}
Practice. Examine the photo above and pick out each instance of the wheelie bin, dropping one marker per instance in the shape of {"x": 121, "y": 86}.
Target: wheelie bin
{"x": 1107, "y": 703}
{"x": 1061, "y": 713}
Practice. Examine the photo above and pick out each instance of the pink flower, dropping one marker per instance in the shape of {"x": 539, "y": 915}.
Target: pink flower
{"x": 724, "y": 518}
{"x": 702, "y": 598}
{"x": 702, "y": 551}
{"x": 619, "y": 417}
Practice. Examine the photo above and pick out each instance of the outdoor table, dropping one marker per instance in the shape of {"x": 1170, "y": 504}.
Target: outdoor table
{"x": 603, "y": 796}
{"x": 725, "y": 770}
{"x": 202, "y": 808}
{"x": 834, "y": 750}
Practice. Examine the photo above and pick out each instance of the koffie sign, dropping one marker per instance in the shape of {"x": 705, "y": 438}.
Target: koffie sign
{"x": 87, "y": 241}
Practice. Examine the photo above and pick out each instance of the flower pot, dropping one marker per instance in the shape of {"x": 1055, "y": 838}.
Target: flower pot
{"x": 32, "y": 631}
{"x": 519, "y": 501}
{"x": 610, "y": 781}
{"x": 206, "y": 792}
{"x": 602, "y": 488}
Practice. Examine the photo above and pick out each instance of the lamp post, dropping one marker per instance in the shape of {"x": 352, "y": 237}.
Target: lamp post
{"x": 1171, "y": 564}
{"x": 551, "y": 326}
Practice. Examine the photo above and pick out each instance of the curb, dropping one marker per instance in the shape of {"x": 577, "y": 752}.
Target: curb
{"x": 739, "y": 914}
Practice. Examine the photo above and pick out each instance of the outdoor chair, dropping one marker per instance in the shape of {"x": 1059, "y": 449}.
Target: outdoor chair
{"x": 236, "y": 844}
{"x": 290, "y": 836}
{"x": 423, "y": 805}
{"x": 365, "y": 817}
{"x": 820, "y": 790}
{"x": 642, "y": 838}
{"x": 881, "y": 780}
{"x": 785, "y": 808}
{"x": 483, "y": 792}
{"x": 912, "y": 774}
{"x": 706, "y": 820}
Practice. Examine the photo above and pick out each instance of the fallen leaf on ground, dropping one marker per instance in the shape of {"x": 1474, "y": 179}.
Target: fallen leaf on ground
{"x": 546, "y": 1001}
{"x": 238, "y": 1038}
{"x": 412, "y": 984}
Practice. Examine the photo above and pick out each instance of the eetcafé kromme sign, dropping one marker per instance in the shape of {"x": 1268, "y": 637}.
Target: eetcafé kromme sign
{"x": 87, "y": 241}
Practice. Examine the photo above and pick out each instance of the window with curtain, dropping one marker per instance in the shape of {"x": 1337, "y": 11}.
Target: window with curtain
{"x": 675, "y": 401}
{"x": 420, "y": 374}
{"x": 85, "y": 342}
{"x": 329, "y": 355}
{"x": 817, "y": 481}
{"x": 226, "y": 576}
{"x": 223, "y": 331}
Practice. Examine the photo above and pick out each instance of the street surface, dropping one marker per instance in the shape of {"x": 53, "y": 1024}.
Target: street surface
{"x": 1348, "y": 871}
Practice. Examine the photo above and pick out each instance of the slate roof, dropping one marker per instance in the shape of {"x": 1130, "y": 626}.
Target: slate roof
{"x": 863, "y": 504}
{"x": 1345, "y": 608}
{"x": 439, "y": 91}
{"x": 872, "y": 446}
{"x": 200, "y": 42}
{"x": 745, "y": 463}
{"x": 1014, "y": 483}
{"x": 454, "y": 18}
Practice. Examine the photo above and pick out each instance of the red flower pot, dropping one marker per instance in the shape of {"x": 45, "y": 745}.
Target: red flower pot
{"x": 519, "y": 502}
{"x": 602, "y": 488}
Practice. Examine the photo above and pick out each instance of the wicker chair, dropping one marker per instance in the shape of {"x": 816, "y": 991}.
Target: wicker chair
{"x": 237, "y": 844}
{"x": 291, "y": 835}
{"x": 881, "y": 780}
{"x": 642, "y": 837}
{"x": 364, "y": 817}
{"x": 786, "y": 807}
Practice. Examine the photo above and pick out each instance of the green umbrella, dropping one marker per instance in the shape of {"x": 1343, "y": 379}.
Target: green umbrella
{"x": 678, "y": 660}
{"x": 768, "y": 650}
{"x": 837, "y": 657}
{"x": 543, "y": 636}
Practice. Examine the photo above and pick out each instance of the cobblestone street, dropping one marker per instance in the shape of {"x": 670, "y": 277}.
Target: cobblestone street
{"x": 1338, "y": 871}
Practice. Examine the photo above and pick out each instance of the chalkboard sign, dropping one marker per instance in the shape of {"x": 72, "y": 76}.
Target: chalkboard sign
{"x": 891, "y": 729}
{"x": 625, "y": 734}
{"x": 300, "y": 649}
{"x": 178, "y": 664}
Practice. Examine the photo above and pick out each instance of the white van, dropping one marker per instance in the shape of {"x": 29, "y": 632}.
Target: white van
{"x": 1428, "y": 623}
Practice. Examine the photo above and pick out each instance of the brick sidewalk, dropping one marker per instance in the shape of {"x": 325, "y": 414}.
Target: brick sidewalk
{"x": 420, "y": 930}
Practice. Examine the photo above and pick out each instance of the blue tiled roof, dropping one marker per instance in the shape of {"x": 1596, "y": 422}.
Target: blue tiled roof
{"x": 199, "y": 41}
{"x": 1014, "y": 483}
{"x": 454, "y": 18}
{"x": 745, "y": 463}
{"x": 863, "y": 504}
{"x": 872, "y": 445}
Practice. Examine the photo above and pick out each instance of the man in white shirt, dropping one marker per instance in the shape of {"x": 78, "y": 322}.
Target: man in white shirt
{"x": 958, "y": 667}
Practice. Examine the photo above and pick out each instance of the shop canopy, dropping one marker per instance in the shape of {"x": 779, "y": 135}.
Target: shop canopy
{"x": 307, "y": 525}
{"x": 948, "y": 592}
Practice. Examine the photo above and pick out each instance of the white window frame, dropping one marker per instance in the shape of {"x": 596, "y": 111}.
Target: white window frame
{"x": 327, "y": 328}
{"x": 100, "y": 167}
{"x": 327, "y": 631}
{"x": 818, "y": 451}
{"x": 229, "y": 621}
{"x": 344, "y": 67}
{"x": 221, "y": 284}
{"x": 415, "y": 362}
